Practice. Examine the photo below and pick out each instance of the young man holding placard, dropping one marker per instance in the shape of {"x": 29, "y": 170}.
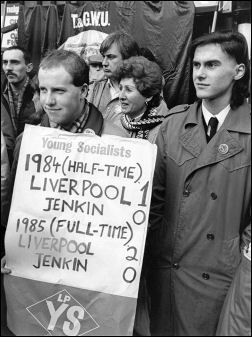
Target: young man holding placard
{"x": 63, "y": 84}
{"x": 118, "y": 179}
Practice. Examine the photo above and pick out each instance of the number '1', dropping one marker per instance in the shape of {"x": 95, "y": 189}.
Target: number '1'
{"x": 144, "y": 189}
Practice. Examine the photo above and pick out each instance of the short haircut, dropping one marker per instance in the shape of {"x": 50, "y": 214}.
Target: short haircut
{"x": 146, "y": 75}
{"x": 27, "y": 56}
{"x": 235, "y": 45}
{"x": 72, "y": 62}
{"x": 127, "y": 46}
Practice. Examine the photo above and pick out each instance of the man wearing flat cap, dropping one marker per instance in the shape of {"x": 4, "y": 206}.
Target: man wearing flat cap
{"x": 96, "y": 72}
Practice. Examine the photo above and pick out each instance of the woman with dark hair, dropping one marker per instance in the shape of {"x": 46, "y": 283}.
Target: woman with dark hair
{"x": 142, "y": 107}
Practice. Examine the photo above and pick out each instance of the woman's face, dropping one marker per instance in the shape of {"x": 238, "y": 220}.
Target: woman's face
{"x": 131, "y": 100}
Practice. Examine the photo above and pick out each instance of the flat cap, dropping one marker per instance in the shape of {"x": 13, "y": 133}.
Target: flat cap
{"x": 95, "y": 58}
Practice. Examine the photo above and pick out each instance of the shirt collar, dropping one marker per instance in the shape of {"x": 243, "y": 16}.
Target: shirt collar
{"x": 78, "y": 124}
{"x": 9, "y": 86}
{"x": 5, "y": 90}
{"x": 113, "y": 92}
{"x": 220, "y": 116}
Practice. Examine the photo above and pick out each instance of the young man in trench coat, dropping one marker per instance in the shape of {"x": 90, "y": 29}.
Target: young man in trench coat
{"x": 201, "y": 193}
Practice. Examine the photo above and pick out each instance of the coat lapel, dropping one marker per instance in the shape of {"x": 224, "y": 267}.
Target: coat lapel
{"x": 193, "y": 139}
{"x": 223, "y": 145}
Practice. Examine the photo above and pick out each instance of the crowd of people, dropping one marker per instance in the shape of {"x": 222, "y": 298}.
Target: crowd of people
{"x": 196, "y": 272}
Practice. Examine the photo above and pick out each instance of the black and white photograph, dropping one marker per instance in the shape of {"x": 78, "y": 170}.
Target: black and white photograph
{"x": 125, "y": 168}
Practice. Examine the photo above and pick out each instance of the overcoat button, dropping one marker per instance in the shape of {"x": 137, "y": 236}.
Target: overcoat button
{"x": 213, "y": 196}
{"x": 210, "y": 236}
{"x": 186, "y": 193}
{"x": 205, "y": 276}
{"x": 175, "y": 265}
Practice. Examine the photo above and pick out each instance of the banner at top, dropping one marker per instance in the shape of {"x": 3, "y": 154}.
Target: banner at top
{"x": 9, "y": 39}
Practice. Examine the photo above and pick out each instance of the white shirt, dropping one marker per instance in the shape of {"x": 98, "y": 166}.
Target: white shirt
{"x": 113, "y": 92}
{"x": 221, "y": 116}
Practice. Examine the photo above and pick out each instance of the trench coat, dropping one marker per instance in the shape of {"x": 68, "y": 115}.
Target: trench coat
{"x": 199, "y": 214}
{"x": 235, "y": 318}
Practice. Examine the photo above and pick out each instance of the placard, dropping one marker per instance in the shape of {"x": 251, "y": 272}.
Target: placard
{"x": 77, "y": 227}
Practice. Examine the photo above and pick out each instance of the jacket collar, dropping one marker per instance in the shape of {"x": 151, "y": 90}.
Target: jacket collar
{"x": 94, "y": 121}
{"x": 4, "y": 85}
{"x": 194, "y": 114}
{"x": 238, "y": 120}
{"x": 193, "y": 137}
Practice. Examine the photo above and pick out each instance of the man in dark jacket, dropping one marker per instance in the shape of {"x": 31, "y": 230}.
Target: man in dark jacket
{"x": 63, "y": 84}
{"x": 200, "y": 211}
{"x": 17, "y": 107}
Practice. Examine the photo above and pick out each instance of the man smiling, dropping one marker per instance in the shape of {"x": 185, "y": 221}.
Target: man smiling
{"x": 63, "y": 83}
{"x": 62, "y": 101}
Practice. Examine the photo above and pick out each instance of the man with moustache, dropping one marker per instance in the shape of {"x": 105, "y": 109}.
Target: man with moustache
{"x": 17, "y": 107}
{"x": 200, "y": 209}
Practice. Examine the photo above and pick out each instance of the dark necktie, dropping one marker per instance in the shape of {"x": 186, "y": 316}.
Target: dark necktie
{"x": 213, "y": 123}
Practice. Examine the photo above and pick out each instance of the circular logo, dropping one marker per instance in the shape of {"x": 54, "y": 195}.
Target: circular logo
{"x": 89, "y": 132}
{"x": 223, "y": 149}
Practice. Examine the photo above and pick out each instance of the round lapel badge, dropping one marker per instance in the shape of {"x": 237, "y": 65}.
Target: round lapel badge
{"x": 89, "y": 132}
{"x": 223, "y": 149}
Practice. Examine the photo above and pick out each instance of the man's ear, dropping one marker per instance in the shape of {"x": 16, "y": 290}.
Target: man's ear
{"x": 84, "y": 91}
{"x": 239, "y": 71}
{"x": 29, "y": 67}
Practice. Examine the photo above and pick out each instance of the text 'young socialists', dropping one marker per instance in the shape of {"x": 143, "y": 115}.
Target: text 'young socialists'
{"x": 108, "y": 150}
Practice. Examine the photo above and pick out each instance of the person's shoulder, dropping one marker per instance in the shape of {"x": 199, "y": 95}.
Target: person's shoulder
{"x": 99, "y": 84}
{"x": 95, "y": 90}
{"x": 110, "y": 128}
{"x": 178, "y": 112}
{"x": 3, "y": 81}
{"x": 245, "y": 108}
{"x": 176, "y": 116}
{"x": 162, "y": 109}
{"x": 178, "y": 109}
